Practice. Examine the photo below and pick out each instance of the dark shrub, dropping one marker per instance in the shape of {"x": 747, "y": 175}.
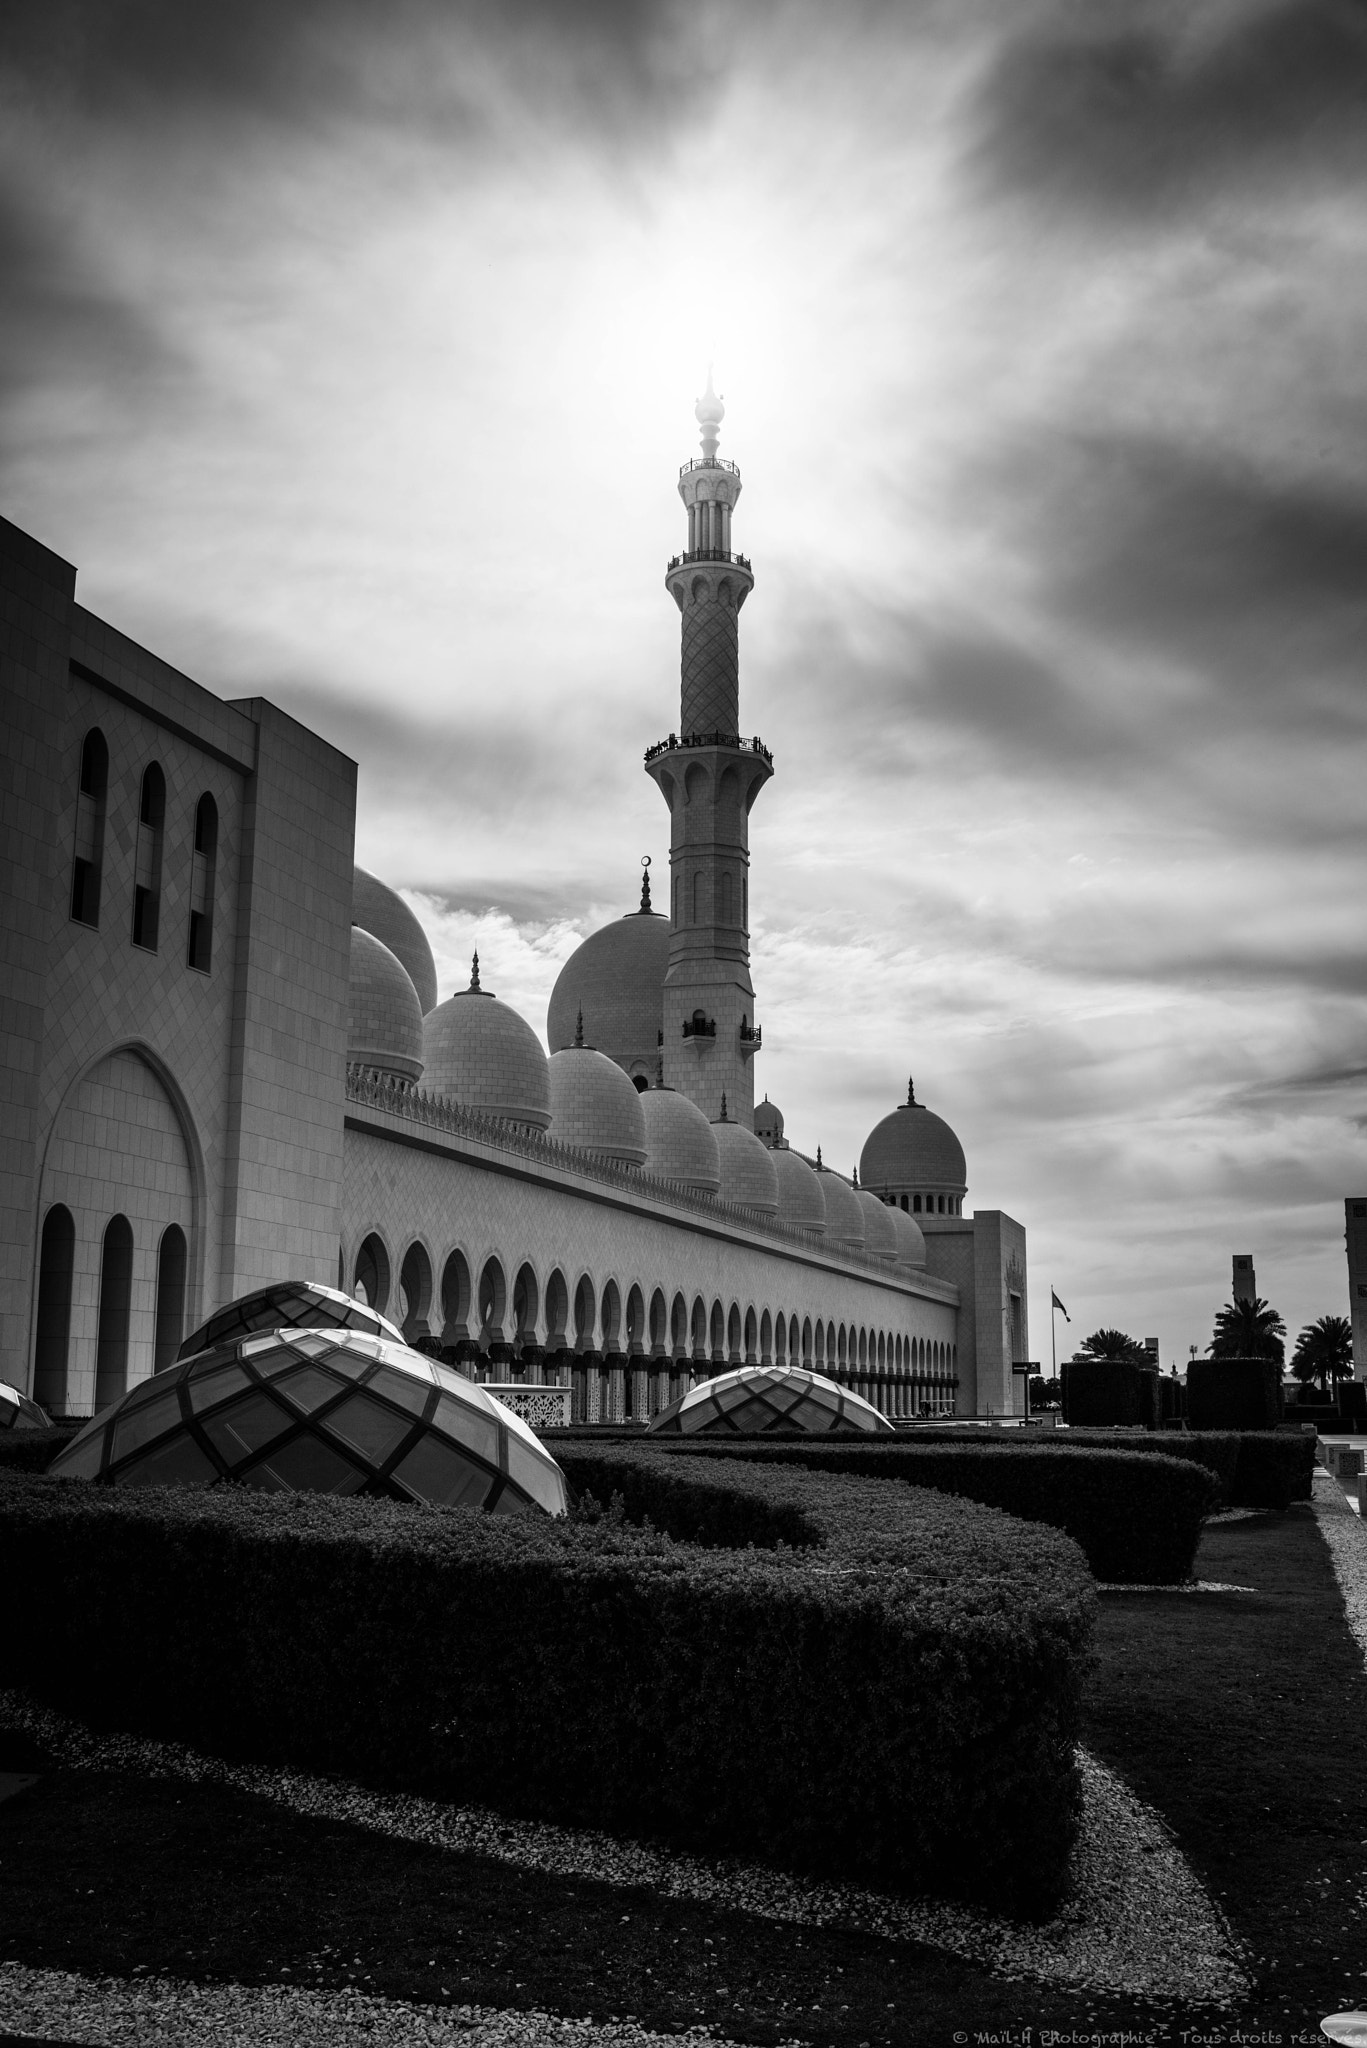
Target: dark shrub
{"x": 1275, "y": 1468}
{"x": 1234, "y": 1393}
{"x": 1101, "y": 1391}
{"x": 32, "y": 1450}
{"x": 1138, "y": 1518}
{"x": 884, "y": 1685}
{"x": 1216, "y": 1449}
{"x": 1350, "y": 1399}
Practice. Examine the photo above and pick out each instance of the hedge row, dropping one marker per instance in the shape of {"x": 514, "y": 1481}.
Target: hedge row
{"x": 1254, "y": 1468}
{"x": 884, "y": 1685}
{"x": 1138, "y": 1519}
{"x": 32, "y": 1450}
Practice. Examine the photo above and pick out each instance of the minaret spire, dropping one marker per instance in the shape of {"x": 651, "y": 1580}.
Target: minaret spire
{"x": 710, "y": 776}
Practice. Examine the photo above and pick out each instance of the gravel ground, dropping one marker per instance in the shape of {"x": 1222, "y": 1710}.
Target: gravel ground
{"x": 57, "y": 2005}
{"x": 1347, "y": 1539}
{"x": 1137, "y": 1920}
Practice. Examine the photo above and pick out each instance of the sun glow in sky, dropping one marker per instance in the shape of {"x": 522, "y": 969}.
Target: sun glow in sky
{"x": 352, "y": 361}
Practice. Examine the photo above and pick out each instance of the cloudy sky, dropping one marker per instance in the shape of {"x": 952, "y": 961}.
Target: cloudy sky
{"x": 350, "y": 353}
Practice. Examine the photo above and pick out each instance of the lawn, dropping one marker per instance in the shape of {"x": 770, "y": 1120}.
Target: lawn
{"x": 1238, "y": 1716}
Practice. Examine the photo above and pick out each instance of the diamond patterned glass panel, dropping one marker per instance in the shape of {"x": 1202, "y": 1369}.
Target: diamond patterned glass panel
{"x": 410, "y": 1393}
{"x": 436, "y": 1472}
{"x": 458, "y": 1419}
{"x": 82, "y": 1456}
{"x": 298, "y": 1304}
{"x": 305, "y": 1466}
{"x": 248, "y": 1426}
{"x": 216, "y": 1385}
{"x": 150, "y": 1418}
{"x": 178, "y": 1463}
{"x": 368, "y": 1428}
{"x": 757, "y": 1398}
{"x": 308, "y": 1388}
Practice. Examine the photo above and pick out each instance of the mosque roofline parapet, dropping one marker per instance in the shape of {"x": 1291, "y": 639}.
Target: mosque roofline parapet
{"x": 401, "y": 1113}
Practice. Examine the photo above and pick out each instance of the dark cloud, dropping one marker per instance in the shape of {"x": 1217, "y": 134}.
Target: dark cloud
{"x": 619, "y": 61}
{"x": 1135, "y": 105}
{"x": 61, "y": 322}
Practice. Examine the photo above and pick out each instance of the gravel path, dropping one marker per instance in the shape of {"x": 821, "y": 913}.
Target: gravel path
{"x": 1137, "y": 1920}
{"x": 57, "y": 2005}
{"x": 1347, "y": 1539}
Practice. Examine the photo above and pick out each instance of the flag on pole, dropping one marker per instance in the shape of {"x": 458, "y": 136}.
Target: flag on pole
{"x": 1059, "y": 1306}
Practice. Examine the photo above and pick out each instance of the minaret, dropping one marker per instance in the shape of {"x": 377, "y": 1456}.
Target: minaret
{"x": 709, "y": 776}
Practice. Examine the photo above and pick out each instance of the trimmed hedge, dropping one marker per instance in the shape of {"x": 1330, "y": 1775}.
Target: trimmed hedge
{"x": 1253, "y": 1469}
{"x": 885, "y": 1684}
{"x": 1138, "y": 1519}
{"x": 32, "y": 1450}
{"x": 1102, "y": 1391}
{"x": 1234, "y": 1393}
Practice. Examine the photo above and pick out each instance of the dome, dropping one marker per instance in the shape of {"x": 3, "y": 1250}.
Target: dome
{"x": 911, "y": 1246}
{"x": 914, "y": 1152}
{"x": 384, "y": 1016}
{"x": 18, "y": 1412}
{"x": 378, "y": 910}
{"x": 320, "y": 1411}
{"x": 480, "y": 1052}
{"x": 800, "y": 1201}
{"x": 844, "y": 1216}
{"x": 616, "y": 980}
{"x": 768, "y": 1123}
{"x": 768, "y": 1397}
{"x": 680, "y": 1144}
{"x": 747, "y": 1168}
{"x": 298, "y": 1304}
{"x": 880, "y": 1232}
{"x": 594, "y": 1106}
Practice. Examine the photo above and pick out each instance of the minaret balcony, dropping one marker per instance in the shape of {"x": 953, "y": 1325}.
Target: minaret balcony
{"x": 708, "y": 555}
{"x": 751, "y": 1039}
{"x": 699, "y": 1025}
{"x": 709, "y": 462}
{"x": 710, "y": 739}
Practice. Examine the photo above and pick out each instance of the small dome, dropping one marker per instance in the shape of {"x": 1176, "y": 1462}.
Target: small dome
{"x": 594, "y": 1106}
{"x": 911, "y": 1246}
{"x": 378, "y": 910}
{"x": 18, "y": 1412}
{"x": 680, "y": 1144}
{"x": 762, "y": 1398}
{"x": 800, "y": 1201}
{"x": 913, "y": 1151}
{"x": 844, "y": 1216}
{"x": 616, "y": 981}
{"x": 747, "y": 1169}
{"x": 880, "y": 1232}
{"x": 384, "y": 1017}
{"x": 768, "y": 1124}
{"x": 298, "y": 1304}
{"x": 478, "y": 1051}
{"x": 320, "y": 1411}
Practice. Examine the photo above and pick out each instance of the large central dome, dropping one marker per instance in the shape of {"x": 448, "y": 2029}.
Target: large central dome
{"x": 616, "y": 981}
{"x": 914, "y": 1158}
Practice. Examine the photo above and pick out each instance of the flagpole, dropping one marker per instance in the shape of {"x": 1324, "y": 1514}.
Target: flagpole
{"x": 1053, "y": 1332}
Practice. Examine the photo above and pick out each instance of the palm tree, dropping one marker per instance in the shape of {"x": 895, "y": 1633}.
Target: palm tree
{"x": 1248, "y": 1329}
{"x": 1324, "y": 1352}
{"x": 1115, "y": 1346}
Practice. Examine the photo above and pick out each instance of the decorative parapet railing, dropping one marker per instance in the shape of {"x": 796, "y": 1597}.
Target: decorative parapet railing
{"x": 371, "y": 1090}
{"x": 708, "y": 462}
{"x": 708, "y": 555}
{"x": 538, "y": 1407}
{"x": 710, "y": 739}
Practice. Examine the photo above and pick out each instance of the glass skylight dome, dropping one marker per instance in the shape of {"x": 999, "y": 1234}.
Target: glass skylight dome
{"x": 320, "y": 1411}
{"x": 18, "y": 1412}
{"x": 762, "y": 1397}
{"x": 303, "y": 1304}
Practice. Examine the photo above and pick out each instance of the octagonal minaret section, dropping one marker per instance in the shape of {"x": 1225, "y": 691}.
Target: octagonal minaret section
{"x": 710, "y": 775}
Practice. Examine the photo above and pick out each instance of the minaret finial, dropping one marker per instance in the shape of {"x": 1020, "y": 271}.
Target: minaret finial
{"x": 645, "y": 885}
{"x": 855, "y": 1182}
{"x": 474, "y": 974}
{"x": 723, "y": 1118}
{"x": 911, "y": 1093}
{"x": 579, "y": 1029}
{"x": 818, "y": 1160}
{"x": 709, "y": 412}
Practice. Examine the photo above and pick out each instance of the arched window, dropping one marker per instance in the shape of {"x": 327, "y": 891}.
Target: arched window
{"x": 147, "y": 864}
{"x": 116, "y": 1295}
{"x": 641, "y": 1083}
{"x": 56, "y": 1263}
{"x": 371, "y": 1284}
{"x": 916, "y": 1205}
{"x": 170, "y": 1326}
{"x": 88, "y": 862}
{"x": 745, "y": 901}
{"x": 697, "y": 897}
{"x": 199, "y": 954}
{"x": 725, "y": 899}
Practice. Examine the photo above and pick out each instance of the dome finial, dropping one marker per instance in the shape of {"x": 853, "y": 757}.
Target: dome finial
{"x": 820, "y": 1167}
{"x": 474, "y": 975}
{"x": 855, "y": 1182}
{"x": 723, "y": 1118}
{"x": 709, "y": 412}
{"x": 645, "y": 885}
{"x": 579, "y": 1029}
{"x": 911, "y": 1093}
